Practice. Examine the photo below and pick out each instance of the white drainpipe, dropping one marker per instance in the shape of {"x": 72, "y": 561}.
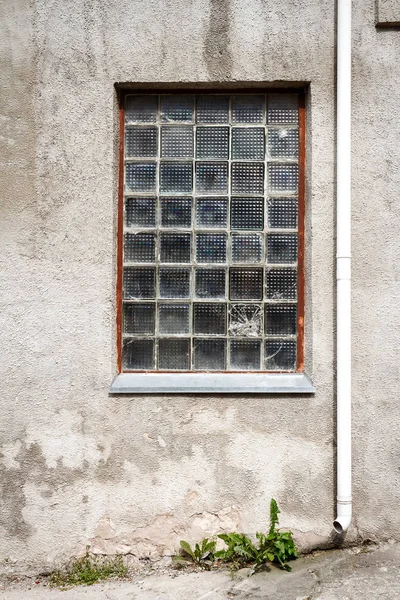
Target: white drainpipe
{"x": 343, "y": 267}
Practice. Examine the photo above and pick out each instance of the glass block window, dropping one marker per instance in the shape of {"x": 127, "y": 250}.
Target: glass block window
{"x": 210, "y": 243}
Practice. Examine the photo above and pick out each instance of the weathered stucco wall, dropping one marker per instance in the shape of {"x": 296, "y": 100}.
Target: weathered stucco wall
{"x": 136, "y": 474}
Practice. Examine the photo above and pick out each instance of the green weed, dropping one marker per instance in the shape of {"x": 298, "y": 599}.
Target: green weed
{"x": 88, "y": 570}
{"x": 277, "y": 548}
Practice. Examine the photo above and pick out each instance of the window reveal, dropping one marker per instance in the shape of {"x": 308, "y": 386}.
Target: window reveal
{"x": 211, "y": 220}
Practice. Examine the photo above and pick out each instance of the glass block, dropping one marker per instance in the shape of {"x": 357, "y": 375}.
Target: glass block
{"x": 209, "y": 355}
{"x": 211, "y": 212}
{"x": 210, "y": 283}
{"x": 176, "y": 212}
{"x": 177, "y": 107}
{"x": 247, "y": 213}
{"x": 280, "y": 355}
{"x": 138, "y": 355}
{"x": 245, "y": 320}
{"x": 246, "y": 284}
{"x": 173, "y": 318}
{"x": 248, "y": 142}
{"x": 246, "y": 248}
{"x": 139, "y": 283}
{"x": 174, "y": 354}
{"x": 283, "y": 179}
{"x": 177, "y": 142}
{"x": 282, "y": 213}
{"x": 283, "y": 109}
{"x": 174, "y": 283}
{"x": 281, "y": 284}
{"x": 209, "y": 318}
{"x": 211, "y": 247}
{"x": 212, "y": 142}
{"x": 283, "y": 143}
{"x": 140, "y": 177}
{"x": 176, "y": 177}
{"x": 212, "y": 109}
{"x": 248, "y": 109}
{"x": 141, "y": 109}
{"x": 139, "y": 318}
{"x": 247, "y": 178}
{"x": 280, "y": 319}
{"x": 212, "y": 178}
{"x": 141, "y": 141}
{"x": 140, "y": 212}
{"x": 175, "y": 247}
{"x": 139, "y": 247}
{"x": 245, "y": 355}
{"x": 282, "y": 248}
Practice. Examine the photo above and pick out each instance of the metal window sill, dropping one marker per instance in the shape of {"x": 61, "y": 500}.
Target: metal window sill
{"x": 211, "y": 383}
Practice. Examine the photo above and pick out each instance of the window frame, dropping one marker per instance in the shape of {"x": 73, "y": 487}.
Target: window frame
{"x": 216, "y": 381}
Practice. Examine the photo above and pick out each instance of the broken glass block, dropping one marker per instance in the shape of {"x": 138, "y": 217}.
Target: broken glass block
{"x": 280, "y": 355}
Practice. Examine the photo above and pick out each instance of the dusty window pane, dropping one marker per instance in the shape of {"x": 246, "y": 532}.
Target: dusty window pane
{"x": 280, "y": 319}
{"x": 141, "y": 109}
{"x": 247, "y": 213}
{"x": 211, "y": 212}
{"x": 141, "y": 141}
{"x": 177, "y": 142}
{"x": 245, "y": 355}
{"x": 140, "y": 212}
{"x": 174, "y": 354}
{"x": 139, "y": 247}
{"x": 210, "y": 283}
{"x": 282, "y": 248}
{"x": 176, "y": 212}
{"x": 283, "y": 143}
{"x": 212, "y": 142}
{"x": 176, "y": 177}
{"x": 139, "y": 318}
{"x": 211, "y": 247}
{"x": 248, "y": 143}
{"x": 247, "y": 178}
{"x": 246, "y": 284}
{"x": 209, "y": 355}
{"x": 282, "y": 108}
{"x": 210, "y": 318}
{"x": 174, "y": 283}
{"x": 283, "y": 179}
{"x": 138, "y": 354}
{"x": 212, "y": 178}
{"x": 212, "y": 109}
{"x": 248, "y": 109}
{"x": 246, "y": 247}
{"x": 282, "y": 284}
{"x": 282, "y": 213}
{"x": 173, "y": 318}
{"x": 175, "y": 247}
{"x": 139, "y": 283}
{"x": 140, "y": 177}
{"x": 177, "y": 107}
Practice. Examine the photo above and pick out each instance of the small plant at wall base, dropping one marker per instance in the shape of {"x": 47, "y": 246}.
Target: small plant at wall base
{"x": 88, "y": 570}
{"x": 277, "y": 548}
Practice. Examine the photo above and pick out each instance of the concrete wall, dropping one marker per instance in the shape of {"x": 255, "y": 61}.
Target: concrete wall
{"x": 136, "y": 474}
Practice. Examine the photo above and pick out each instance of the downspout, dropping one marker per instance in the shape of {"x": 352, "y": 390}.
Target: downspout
{"x": 343, "y": 267}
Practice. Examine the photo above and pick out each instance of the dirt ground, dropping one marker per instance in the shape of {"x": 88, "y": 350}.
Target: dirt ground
{"x": 367, "y": 573}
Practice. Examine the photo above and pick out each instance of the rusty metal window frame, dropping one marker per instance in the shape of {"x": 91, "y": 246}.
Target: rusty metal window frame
{"x": 295, "y": 381}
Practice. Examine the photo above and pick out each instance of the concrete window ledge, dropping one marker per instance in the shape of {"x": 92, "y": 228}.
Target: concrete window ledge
{"x": 211, "y": 383}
